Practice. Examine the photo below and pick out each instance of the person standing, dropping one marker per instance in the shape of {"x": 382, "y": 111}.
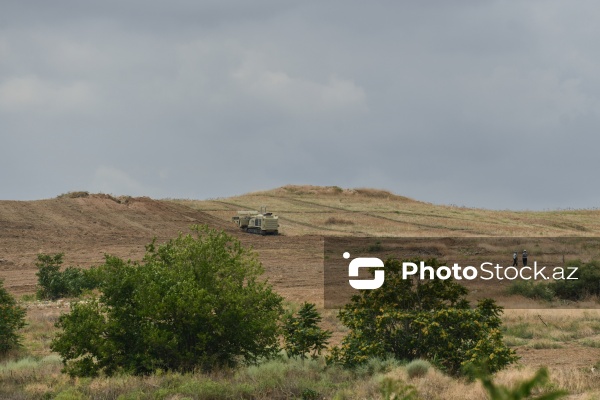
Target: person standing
{"x": 515, "y": 262}
{"x": 524, "y": 258}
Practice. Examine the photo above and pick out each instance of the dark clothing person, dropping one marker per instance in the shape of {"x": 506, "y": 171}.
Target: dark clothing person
{"x": 515, "y": 263}
{"x": 524, "y": 258}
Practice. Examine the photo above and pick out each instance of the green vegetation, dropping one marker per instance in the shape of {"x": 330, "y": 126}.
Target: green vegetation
{"x": 192, "y": 320}
{"x": 302, "y": 334}
{"x": 531, "y": 290}
{"x": 586, "y": 283}
{"x": 523, "y": 390}
{"x": 35, "y": 374}
{"x": 12, "y": 318}
{"x": 192, "y": 303}
{"x": 54, "y": 283}
{"x": 417, "y": 368}
{"x": 433, "y": 321}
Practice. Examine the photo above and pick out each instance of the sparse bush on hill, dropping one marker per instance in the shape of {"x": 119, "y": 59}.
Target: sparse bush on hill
{"x": 195, "y": 302}
{"x": 338, "y": 221}
{"x": 74, "y": 195}
{"x": 429, "y": 320}
{"x": 12, "y": 318}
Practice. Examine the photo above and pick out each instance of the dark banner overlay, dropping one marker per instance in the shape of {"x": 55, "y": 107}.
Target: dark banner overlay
{"x": 486, "y": 266}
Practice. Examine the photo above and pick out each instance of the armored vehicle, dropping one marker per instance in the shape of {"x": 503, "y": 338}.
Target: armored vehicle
{"x": 263, "y": 222}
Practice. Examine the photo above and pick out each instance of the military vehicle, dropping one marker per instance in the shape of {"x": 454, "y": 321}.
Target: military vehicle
{"x": 263, "y": 222}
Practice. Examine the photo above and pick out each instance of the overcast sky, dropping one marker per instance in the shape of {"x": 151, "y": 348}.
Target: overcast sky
{"x": 492, "y": 104}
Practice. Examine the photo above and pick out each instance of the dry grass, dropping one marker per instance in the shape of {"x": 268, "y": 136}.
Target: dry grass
{"x": 381, "y": 213}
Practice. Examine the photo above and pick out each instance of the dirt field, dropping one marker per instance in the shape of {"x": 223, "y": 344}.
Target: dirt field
{"x": 87, "y": 227}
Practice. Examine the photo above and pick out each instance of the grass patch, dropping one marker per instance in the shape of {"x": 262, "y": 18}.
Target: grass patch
{"x": 513, "y": 341}
{"x": 531, "y": 290}
{"x": 544, "y": 344}
{"x": 520, "y": 330}
{"x": 591, "y": 343}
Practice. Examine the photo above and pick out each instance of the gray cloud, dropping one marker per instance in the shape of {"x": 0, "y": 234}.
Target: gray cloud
{"x": 485, "y": 103}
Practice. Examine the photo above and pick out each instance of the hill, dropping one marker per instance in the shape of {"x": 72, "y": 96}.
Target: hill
{"x": 310, "y": 210}
{"x": 87, "y": 226}
{"x": 84, "y": 227}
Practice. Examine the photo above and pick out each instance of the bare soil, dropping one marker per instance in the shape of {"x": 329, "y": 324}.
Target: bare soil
{"x": 88, "y": 227}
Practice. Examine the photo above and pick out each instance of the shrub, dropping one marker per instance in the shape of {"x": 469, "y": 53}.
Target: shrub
{"x": 338, "y": 221}
{"x": 50, "y": 285}
{"x": 431, "y": 320}
{"x": 376, "y": 365}
{"x": 586, "y": 284}
{"x": 54, "y": 284}
{"x": 532, "y": 290}
{"x": 192, "y": 303}
{"x": 302, "y": 334}
{"x": 417, "y": 368}
{"x": 12, "y": 318}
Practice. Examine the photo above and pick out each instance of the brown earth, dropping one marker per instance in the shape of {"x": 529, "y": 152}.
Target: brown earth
{"x": 86, "y": 227}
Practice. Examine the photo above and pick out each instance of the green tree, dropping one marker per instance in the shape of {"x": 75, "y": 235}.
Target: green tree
{"x": 432, "y": 320}
{"x": 54, "y": 284}
{"x": 194, "y": 302}
{"x": 12, "y": 318}
{"x": 302, "y": 333}
{"x": 50, "y": 282}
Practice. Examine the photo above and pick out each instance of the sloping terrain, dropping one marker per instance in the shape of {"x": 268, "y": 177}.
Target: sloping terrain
{"x": 368, "y": 212}
{"x": 85, "y": 227}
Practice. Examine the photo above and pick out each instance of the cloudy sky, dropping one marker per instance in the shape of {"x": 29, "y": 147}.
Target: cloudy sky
{"x": 492, "y": 104}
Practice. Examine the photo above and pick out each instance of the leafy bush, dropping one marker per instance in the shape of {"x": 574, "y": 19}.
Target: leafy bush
{"x": 54, "y": 284}
{"x": 586, "y": 284}
{"x": 50, "y": 285}
{"x": 431, "y": 320}
{"x": 192, "y": 303}
{"x": 532, "y": 290}
{"x": 417, "y": 368}
{"x": 12, "y": 318}
{"x": 302, "y": 334}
